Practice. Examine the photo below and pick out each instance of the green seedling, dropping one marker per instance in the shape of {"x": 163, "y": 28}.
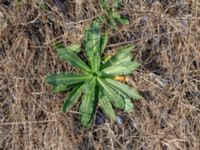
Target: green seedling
{"x": 96, "y": 84}
{"x": 42, "y": 5}
{"x": 112, "y": 15}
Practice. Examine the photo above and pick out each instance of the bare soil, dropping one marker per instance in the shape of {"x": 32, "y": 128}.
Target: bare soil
{"x": 167, "y": 38}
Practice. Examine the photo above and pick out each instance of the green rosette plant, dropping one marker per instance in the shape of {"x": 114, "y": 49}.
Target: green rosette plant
{"x": 95, "y": 85}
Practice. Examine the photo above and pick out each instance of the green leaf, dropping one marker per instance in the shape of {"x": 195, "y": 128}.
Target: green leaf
{"x": 88, "y": 105}
{"x": 117, "y": 3}
{"x": 128, "y": 103}
{"x": 105, "y": 105}
{"x": 123, "y": 20}
{"x": 118, "y": 17}
{"x": 58, "y": 44}
{"x": 43, "y": 5}
{"x": 104, "y": 5}
{"x": 111, "y": 22}
{"x": 103, "y": 42}
{"x": 92, "y": 39}
{"x": 72, "y": 98}
{"x": 74, "y": 48}
{"x": 124, "y": 68}
{"x": 123, "y": 55}
{"x": 96, "y": 61}
{"x": 92, "y": 45}
{"x": 115, "y": 15}
{"x": 115, "y": 99}
{"x": 66, "y": 78}
{"x": 120, "y": 64}
{"x": 73, "y": 59}
{"x": 115, "y": 60}
{"x": 60, "y": 87}
{"x": 100, "y": 19}
{"x": 130, "y": 91}
{"x": 126, "y": 48}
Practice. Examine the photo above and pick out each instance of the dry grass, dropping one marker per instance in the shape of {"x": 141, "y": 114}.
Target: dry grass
{"x": 167, "y": 35}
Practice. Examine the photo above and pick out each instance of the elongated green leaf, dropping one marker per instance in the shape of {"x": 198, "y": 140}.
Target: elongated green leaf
{"x": 61, "y": 87}
{"x": 66, "y": 78}
{"x": 115, "y": 15}
{"x": 73, "y": 98}
{"x": 103, "y": 42}
{"x": 74, "y": 48}
{"x": 117, "y": 3}
{"x": 120, "y": 64}
{"x": 100, "y": 19}
{"x": 112, "y": 23}
{"x": 104, "y": 5}
{"x": 124, "y": 68}
{"x": 118, "y": 17}
{"x": 130, "y": 91}
{"x": 107, "y": 108}
{"x": 123, "y": 20}
{"x": 92, "y": 45}
{"x": 115, "y": 99}
{"x": 73, "y": 59}
{"x": 125, "y": 50}
{"x": 128, "y": 103}
{"x": 96, "y": 61}
{"x": 115, "y": 61}
{"x": 58, "y": 44}
{"x": 92, "y": 39}
{"x": 123, "y": 55}
{"x": 88, "y": 105}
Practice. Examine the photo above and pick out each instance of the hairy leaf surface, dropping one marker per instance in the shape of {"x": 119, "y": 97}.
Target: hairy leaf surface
{"x": 73, "y": 59}
{"x": 115, "y": 99}
{"x": 74, "y": 48}
{"x": 107, "y": 108}
{"x": 128, "y": 103}
{"x": 66, "y": 78}
{"x": 73, "y": 97}
{"x": 130, "y": 91}
{"x": 103, "y": 42}
{"x": 122, "y": 56}
{"x": 124, "y": 68}
{"x": 88, "y": 104}
{"x": 91, "y": 45}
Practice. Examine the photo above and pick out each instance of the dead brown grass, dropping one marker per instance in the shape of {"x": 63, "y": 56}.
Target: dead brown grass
{"x": 167, "y": 35}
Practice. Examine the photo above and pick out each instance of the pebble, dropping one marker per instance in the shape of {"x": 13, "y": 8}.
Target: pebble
{"x": 6, "y": 2}
{"x": 119, "y": 120}
{"x": 100, "y": 118}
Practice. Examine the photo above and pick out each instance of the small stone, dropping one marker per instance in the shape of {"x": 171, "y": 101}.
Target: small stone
{"x": 6, "y": 2}
{"x": 100, "y": 118}
{"x": 164, "y": 2}
{"x": 119, "y": 120}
